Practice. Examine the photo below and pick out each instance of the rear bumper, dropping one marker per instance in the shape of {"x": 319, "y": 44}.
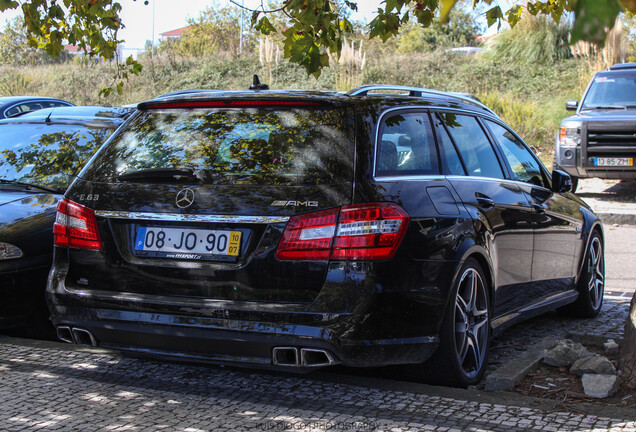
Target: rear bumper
{"x": 237, "y": 342}
{"x": 355, "y": 320}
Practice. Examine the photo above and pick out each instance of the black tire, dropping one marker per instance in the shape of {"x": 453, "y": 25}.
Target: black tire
{"x": 591, "y": 284}
{"x": 461, "y": 357}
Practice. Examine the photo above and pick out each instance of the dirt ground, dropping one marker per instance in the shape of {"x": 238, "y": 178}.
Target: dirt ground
{"x": 557, "y": 383}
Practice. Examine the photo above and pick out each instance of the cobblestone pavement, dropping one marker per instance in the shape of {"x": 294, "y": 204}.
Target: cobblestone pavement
{"x": 49, "y": 386}
{"x": 43, "y": 388}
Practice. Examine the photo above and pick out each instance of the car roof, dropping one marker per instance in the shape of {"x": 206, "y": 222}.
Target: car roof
{"x": 369, "y": 93}
{"x": 12, "y": 99}
{"x": 622, "y": 66}
{"x": 97, "y": 115}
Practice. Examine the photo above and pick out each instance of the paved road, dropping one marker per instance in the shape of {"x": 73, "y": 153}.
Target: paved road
{"x": 620, "y": 261}
{"x": 613, "y": 200}
{"x": 50, "y": 386}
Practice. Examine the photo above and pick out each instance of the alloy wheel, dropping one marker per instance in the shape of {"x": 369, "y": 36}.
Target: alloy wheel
{"x": 596, "y": 272}
{"x": 471, "y": 322}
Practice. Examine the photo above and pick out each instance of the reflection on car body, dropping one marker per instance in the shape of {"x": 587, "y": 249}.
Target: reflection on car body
{"x": 40, "y": 154}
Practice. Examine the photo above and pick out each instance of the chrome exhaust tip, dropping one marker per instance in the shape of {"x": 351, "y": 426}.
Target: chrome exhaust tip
{"x": 83, "y": 337}
{"x": 314, "y": 357}
{"x": 64, "y": 334}
{"x": 285, "y": 356}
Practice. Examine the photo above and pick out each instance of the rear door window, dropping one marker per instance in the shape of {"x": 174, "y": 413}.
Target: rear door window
{"x": 270, "y": 146}
{"x": 475, "y": 151}
{"x": 450, "y": 158}
{"x": 406, "y": 145}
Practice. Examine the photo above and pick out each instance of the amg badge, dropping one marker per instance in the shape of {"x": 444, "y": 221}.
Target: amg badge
{"x": 295, "y": 203}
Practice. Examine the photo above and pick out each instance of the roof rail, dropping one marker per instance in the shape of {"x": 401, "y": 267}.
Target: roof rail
{"x": 417, "y": 92}
{"x": 621, "y": 66}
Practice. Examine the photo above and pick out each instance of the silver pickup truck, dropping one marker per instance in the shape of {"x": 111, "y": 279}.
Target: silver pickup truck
{"x": 600, "y": 139}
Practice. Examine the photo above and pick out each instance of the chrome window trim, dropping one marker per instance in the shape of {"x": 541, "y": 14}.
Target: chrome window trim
{"x": 495, "y": 179}
{"x": 483, "y": 178}
{"x": 428, "y": 109}
{"x": 177, "y": 217}
{"x": 410, "y": 177}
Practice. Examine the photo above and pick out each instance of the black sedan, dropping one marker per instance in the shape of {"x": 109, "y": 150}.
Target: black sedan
{"x": 14, "y": 106}
{"x": 40, "y": 154}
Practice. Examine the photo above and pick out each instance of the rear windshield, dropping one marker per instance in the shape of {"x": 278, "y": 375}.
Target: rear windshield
{"x": 47, "y": 154}
{"x": 612, "y": 91}
{"x": 234, "y": 146}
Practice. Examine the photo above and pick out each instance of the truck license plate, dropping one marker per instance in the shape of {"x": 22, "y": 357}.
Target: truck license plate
{"x": 613, "y": 162}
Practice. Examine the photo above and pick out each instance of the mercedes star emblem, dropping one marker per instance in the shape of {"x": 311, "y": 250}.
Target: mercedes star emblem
{"x": 185, "y": 198}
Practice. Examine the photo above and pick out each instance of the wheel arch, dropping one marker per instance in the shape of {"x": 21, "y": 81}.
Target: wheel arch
{"x": 481, "y": 255}
{"x": 593, "y": 225}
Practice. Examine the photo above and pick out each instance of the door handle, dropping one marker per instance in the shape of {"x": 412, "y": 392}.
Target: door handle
{"x": 485, "y": 202}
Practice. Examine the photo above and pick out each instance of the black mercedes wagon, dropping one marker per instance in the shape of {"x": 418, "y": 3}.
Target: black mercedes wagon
{"x": 300, "y": 229}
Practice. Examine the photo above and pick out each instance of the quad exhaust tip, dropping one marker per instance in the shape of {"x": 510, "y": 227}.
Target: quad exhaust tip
{"x": 64, "y": 334}
{"x": 302, "y": 357}
{"x": 76, "y": 336}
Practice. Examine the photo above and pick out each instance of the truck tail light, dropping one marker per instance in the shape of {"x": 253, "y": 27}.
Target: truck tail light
{"x": 75, "y": 226}
{"x": 370, "y": 231}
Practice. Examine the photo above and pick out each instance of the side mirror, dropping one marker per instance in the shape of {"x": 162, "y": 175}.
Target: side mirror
{"x": 561, "y": 182}
{"x": 571, "y": 105}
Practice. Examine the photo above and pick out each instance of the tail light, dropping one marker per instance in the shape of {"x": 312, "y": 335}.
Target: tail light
{"x": 75, "y": 226}
{"x": 371, "y": 231}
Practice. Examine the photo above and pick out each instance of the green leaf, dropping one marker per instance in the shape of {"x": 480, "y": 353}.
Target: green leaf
{"x": 352, "y": 5}
{"x": 255, "y": 15}
{"x": 514, "y": 15}
{"x": 137, "y": 68}
{"x": 106, "y": 91}
{"x": 8, "y": 4}
{"x": 425, "y": 17}
{"x": 390, "y": 5}
{"x": 264, "y": 26}
{"x": 593, "y": 18}
{"x": 493, "y": 15}
{"x": 346, "y": 26}
{"x": 447, "y": 6}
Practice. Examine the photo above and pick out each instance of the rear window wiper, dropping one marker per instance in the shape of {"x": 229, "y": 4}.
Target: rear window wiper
{"x": 159, "y": 175}
{"x": 29, "y": 186}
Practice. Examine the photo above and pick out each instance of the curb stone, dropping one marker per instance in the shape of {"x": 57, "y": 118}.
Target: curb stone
{"x": 509, "y": 374}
